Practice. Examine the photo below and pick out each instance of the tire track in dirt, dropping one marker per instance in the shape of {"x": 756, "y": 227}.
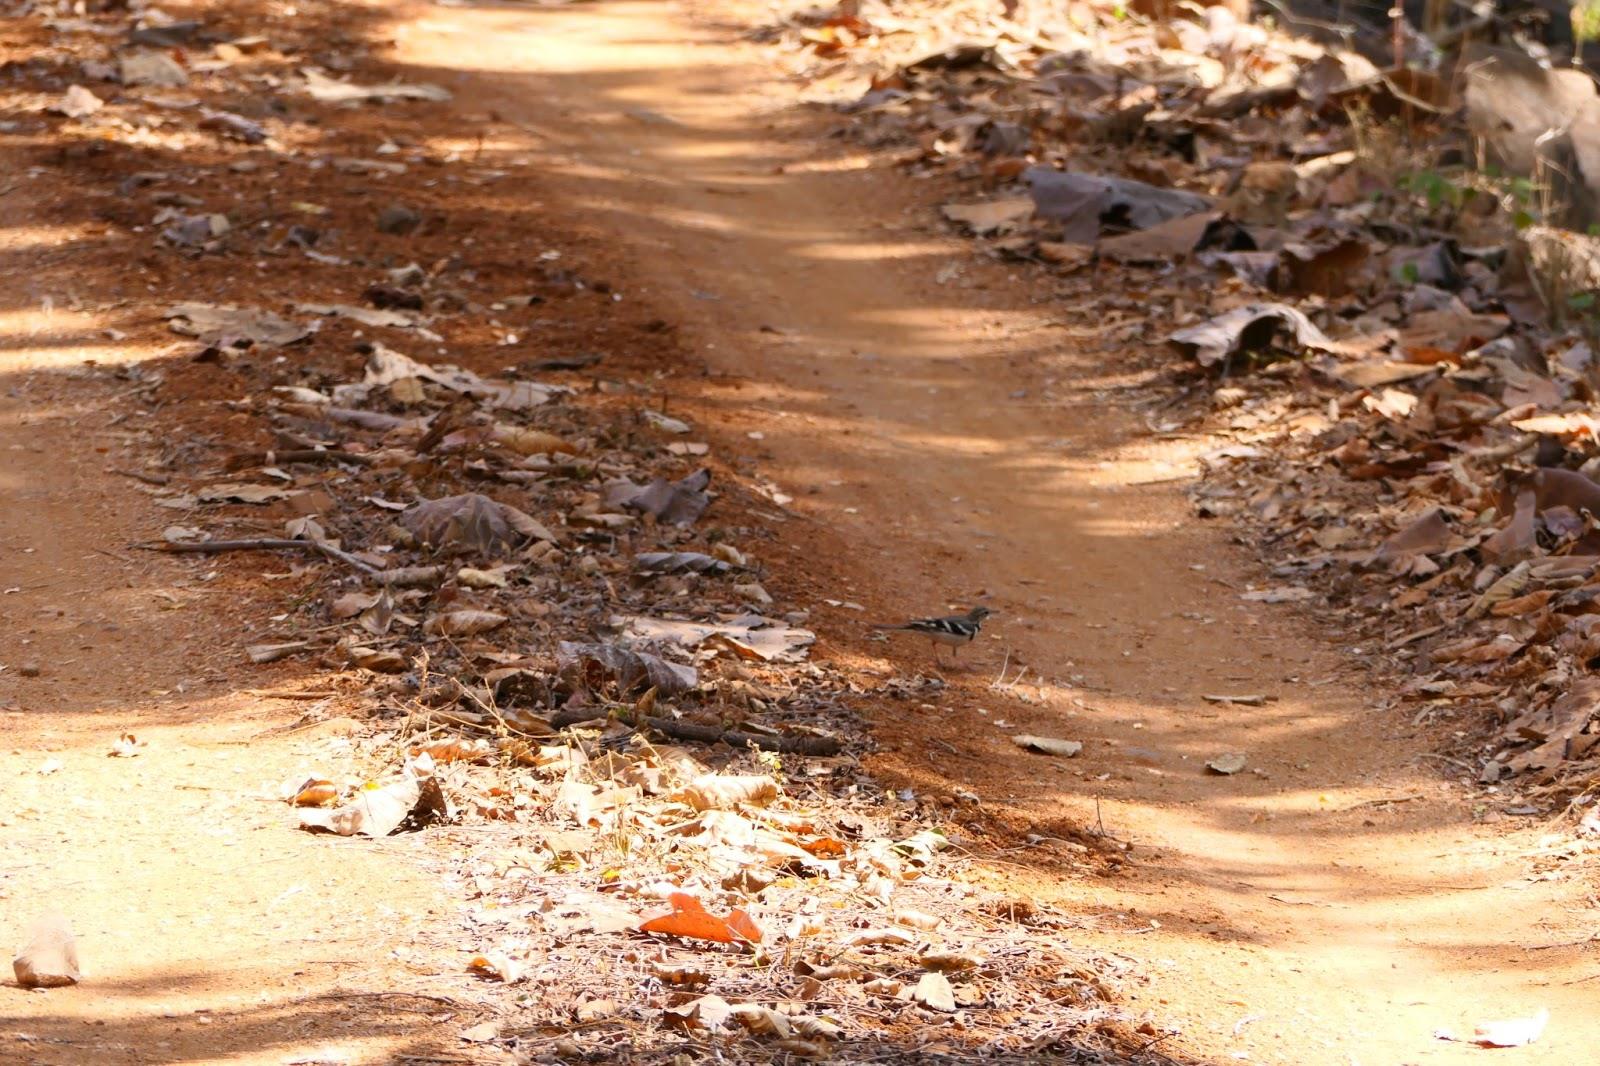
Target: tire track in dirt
{"x": 943, "y": 437}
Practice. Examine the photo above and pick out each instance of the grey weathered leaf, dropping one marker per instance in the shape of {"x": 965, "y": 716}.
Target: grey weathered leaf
{"x": 592, "y": 665}
{"x": 216, "y": 323}
{"x": 471, "y": 523}
{"x": 1048, "y": 745}
{"x": 1083, "y": 203}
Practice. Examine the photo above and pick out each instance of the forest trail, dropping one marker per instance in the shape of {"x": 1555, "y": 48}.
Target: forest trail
{"x": 207, "y": 929}
{"x": 1336, "y": 903}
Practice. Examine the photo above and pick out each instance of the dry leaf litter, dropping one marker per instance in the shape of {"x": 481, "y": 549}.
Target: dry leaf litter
{"x": 1370, "y": 280}
{"x": 580, "y": 698}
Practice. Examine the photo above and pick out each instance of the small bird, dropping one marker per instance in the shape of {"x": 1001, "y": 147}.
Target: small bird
{"x": 953, "y": 630}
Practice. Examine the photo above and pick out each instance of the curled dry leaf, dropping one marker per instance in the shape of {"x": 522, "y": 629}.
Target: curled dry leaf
{"x": 1250, "y": 328}
{"x": 471, "y": 523}
{"x": 1083, "y": 203}
{"x": 531, "y": 441}
{"x": 241, "y": 494}
{"x": 455, "y": 749}
{"x": 314, "y": 792}
{"x": 221, "y": 324}
{"x": 679, "y": 563}
{"x": 474, "y": 578}
{"x": 726, "y": 791}
{"x": 997, "y": 216}
{"x": 749, "y": 636}
{"x": 950, "y": 961}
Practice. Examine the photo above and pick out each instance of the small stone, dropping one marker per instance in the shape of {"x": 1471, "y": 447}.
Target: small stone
{"x": 399, "y": 220}
{"x": 151, "y": 68}
{"x": 752, "y": 593}
{"x": 50, "y": 958}
{"x": 30, "y": 670}
{"x": 78, "y": 102}
{"x": 1227, "y": 763}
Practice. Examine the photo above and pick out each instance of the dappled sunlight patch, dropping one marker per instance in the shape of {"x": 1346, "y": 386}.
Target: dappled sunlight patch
{"x": 838, "y": 251}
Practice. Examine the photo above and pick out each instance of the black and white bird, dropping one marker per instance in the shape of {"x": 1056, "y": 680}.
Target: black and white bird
{"x": 952, "y": 631}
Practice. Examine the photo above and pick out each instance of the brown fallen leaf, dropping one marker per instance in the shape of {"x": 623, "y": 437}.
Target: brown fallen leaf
{"x": 1083, "y": 203}
{"x": 455, "y": 749}
{"x": 726, "y": 791}
{"x": 531, "y": 441}
{"x": 934, "y": 992}
{"x": 997, "y": 216}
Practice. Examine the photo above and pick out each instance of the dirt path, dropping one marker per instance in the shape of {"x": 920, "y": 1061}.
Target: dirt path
{"x": 209, "y": 930}
{"x": 1335, "y": 906}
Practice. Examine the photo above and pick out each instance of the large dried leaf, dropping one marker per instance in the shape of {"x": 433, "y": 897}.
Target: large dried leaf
{"x": 471, "y": 524}
{"x": 385, "y": 367}
{"x": 1164, "y": 242}
{"x": 679, "y": 562}
{"x": 690, "y": 919}
{"x": 996, "y": 216}
{"x": 592, "y": 666}
{"x": 225, "y": 324}
{"x": 1048, "y": 745}
{"x": 675, "y": 503}
{"x": 367, "y": 316}
{"x": 726, "y": 791}
{"x": 375, "y": 812}
{"x": 1085, "y": 203}
{"x": 751, "y": 636}
{"x": 1249, "y": 328}
{"x": 242, "y": 494}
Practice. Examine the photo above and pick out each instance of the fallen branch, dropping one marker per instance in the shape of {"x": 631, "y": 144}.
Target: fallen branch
{"x": 244, "y": 460}
{"x": 707, "y": 734}
{"x": 213, "y": 547}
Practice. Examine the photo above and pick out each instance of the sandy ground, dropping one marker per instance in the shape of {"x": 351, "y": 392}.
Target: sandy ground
{"x": 948, "y": 431}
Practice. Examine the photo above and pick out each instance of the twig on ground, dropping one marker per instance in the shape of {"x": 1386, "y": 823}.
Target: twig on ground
{"x": 211, "y": 547}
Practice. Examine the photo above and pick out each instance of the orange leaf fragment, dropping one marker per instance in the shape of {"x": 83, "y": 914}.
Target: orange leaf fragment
{"x": 689, "y": 918}
{"x": 744, "y": 925}
{"x": 825, "y": 847}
